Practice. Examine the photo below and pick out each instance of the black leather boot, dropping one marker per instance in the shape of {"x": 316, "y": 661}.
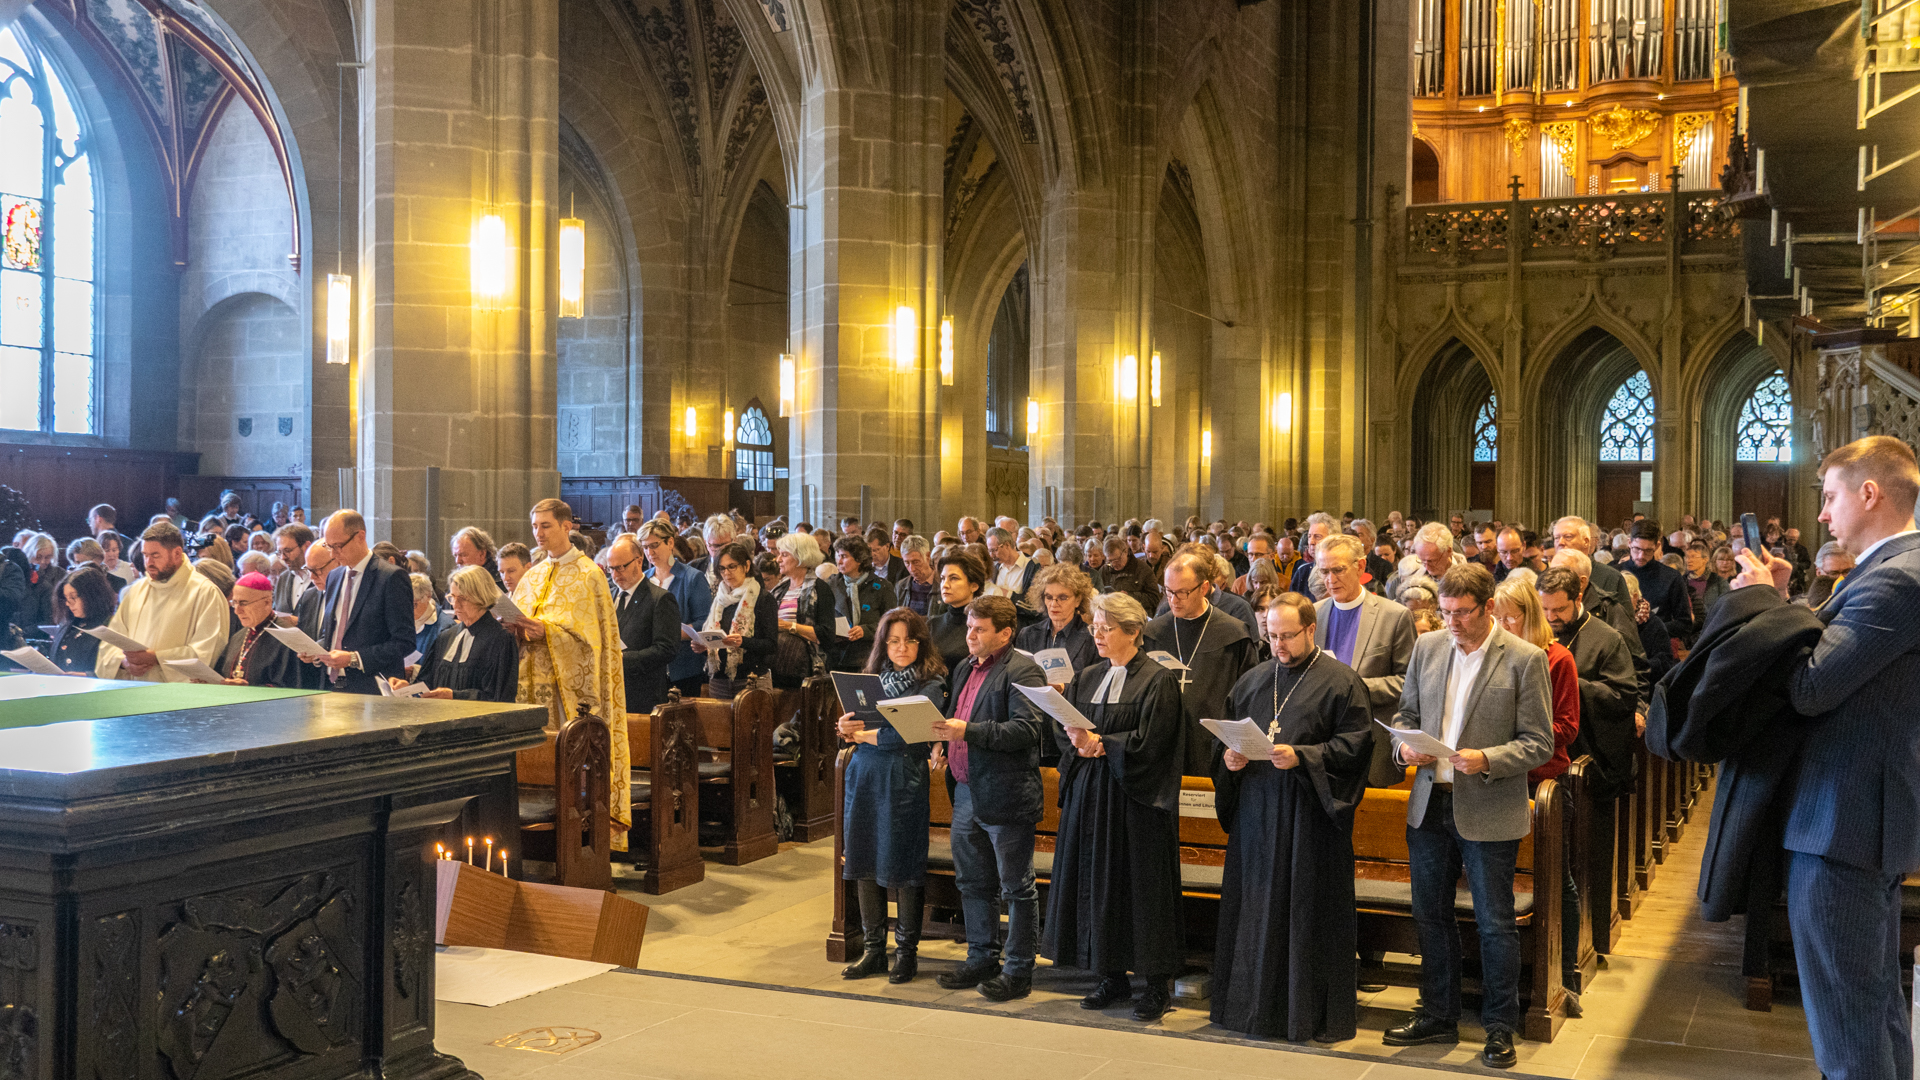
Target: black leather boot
{"x": 906, "y": 934}
{"x": 873, "y": 931}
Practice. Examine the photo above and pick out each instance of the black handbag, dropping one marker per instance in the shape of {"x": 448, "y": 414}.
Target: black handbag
{"x": 794, "y": 657}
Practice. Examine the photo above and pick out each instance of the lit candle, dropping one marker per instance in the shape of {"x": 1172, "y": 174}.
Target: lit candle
{"x": 503, "y": 863}
{"x": 469, "y": 851}
{"x": 489, "y": 866}
{"x": 439, "y": 851}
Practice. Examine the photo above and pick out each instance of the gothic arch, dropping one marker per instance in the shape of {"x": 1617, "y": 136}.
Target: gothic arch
{"x": 1591, "y": 312}
{"x": 1453, "y": 384}
{"x": 981, "y": 258}
{"x": 1728, "y": 379}
{"x": 1563, "y": 407}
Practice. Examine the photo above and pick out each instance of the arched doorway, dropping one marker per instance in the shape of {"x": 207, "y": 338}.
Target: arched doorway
{"x": 1455, "y": 436}
{"x": 1425, "y": 187}
{"x": 1593, "y": 420}
{"x": 1624, "y": 473}
{"x": 1763, "y": 449}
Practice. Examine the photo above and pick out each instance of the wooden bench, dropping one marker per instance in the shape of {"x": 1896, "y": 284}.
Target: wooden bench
{"x": 736, "y": 768}
{"x": 805, "y": 774}
{"x": 1383, "y": 892}
{"x": 565, "y": 797}
{"x": 665, "y": 839}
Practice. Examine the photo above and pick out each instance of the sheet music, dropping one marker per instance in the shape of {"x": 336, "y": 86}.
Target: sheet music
{"x": 114, "y": 638}
{"x": 1054, "y": 704}
{"x": 296, "y": 639}
{"x": 30, "y": 658}
{"x": 1418, "y": 741}
{"x": 196, "y": 669}
{"x": 913, "y": 717}
{"x": 1244, "y": 737}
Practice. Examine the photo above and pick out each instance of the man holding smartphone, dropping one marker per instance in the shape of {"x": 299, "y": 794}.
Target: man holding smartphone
{"x": 1853, "y": 812}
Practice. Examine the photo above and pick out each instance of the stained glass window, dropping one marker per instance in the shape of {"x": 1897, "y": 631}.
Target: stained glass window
{"x": 1626, "y": 429}
{"x": 1486, "y": 436}
{"x": 47, "y": 313}
{"x": 753, "y": 466}
{"x": 1766, "y": 422}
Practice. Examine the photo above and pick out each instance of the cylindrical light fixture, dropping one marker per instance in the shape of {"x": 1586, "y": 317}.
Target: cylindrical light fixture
{"x": 1153, "y": 379}
{"x": 906, "y": 338}
{"x": 1206, "y": 443}
{"x": 339, "y": 317}
{"x": 1129, "y": 382}
{"x": 487, "y": 257}
{"x": 1033, "y": 418}
{"x": 573, "y": 268}
{"x": 726, "y": 429}
{"x": 946, "y": 351}
{"x": 692, "y": 428}
{"x": 787, "y": 379}
{"x": 1283, "y": 412}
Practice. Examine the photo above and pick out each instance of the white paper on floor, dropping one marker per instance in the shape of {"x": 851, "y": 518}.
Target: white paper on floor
{"x": 476, "y": 976}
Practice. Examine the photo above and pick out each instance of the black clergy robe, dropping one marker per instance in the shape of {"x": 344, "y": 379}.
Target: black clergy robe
{"x": 269, "y": 663}
{"x": 478, "y": 663}
{"x": 1284, "y": 961}
{"x": 1218, "y": 650}
{"x": 1609, "y": 690}
{"x": 1114, "y": 902}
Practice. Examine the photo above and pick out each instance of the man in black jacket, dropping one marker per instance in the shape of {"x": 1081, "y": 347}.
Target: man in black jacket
{"x": 649, "y": 625}
{"x": 993, "y": 778}
{"x": 1661, "y": 586}
{"x": 368, "y": 626}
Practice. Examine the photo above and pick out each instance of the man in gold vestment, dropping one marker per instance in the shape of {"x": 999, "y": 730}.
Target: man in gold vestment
{"x": 571, "y": 646}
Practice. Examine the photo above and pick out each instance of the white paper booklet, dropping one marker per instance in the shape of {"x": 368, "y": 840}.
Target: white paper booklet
{"x": 1167, "y": 660}
{"x": 1057, "y": 665}
{"x": 296, "y": 639}
{"x": 114, "y": 638}
{"x": 1055, "y": 704}
{"x": 913, "y": 717}
{"x": 1242, "y": 736}
{"x": 196, "y": 669}
{"x": 1418, "y": 741}
{"x": 29, "y": 657}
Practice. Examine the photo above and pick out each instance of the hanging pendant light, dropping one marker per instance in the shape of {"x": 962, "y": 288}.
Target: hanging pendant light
{"x": 906, "y": 334}
{"x": 488, "y": 258}
{"x": 726, "y": 429}
{"x": 1153, "y": 379}
{"x": 1033, "y": 418}
{"x": 692, "y": 427}
{"x": 788, "y": 377}
{"x": 573, "y": 268}
{"x": 1129, "y": 381}
{"x": 339, "y": 317}
{"x": 946, "y": 351}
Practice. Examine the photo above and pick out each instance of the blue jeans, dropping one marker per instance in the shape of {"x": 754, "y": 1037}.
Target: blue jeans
{"x": 990, "y": 861}
{"x": 1437, "y": 853}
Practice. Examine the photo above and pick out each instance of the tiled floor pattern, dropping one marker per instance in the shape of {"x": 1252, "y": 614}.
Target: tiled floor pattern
{"x": 1667, "y": 1004}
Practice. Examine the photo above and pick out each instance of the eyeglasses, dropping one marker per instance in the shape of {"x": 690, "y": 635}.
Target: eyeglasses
{"x": 1101, "y": 629}
{"x": 1338, "y": 569}
{"x": 1182, "y": 594}
{"x": 238, "y": 604}
{"x": 1461, "y": 614}
{"x": 1290, "y": 636}
{"x": 622, "y": 567}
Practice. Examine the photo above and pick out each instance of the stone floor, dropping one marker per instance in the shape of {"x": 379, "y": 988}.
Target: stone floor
{"x": 1668, "y": 1003}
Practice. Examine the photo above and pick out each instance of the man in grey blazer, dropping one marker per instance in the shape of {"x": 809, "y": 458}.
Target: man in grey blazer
{"x": 1853, "y": 812}
{"x": 1485, "y": 693}
{"x": 1368, "y": 633}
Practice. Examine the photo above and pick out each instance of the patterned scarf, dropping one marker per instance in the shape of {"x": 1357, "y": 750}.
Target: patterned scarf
{"x": 746, "y": 596}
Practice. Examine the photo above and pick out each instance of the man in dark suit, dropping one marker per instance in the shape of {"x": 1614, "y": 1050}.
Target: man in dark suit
{"x": 1483, "y": 692}
{"x": 368, "y": 626}
{"x": 290, "y": 543}
{"x": 1663, "y": 588}
{"x": 310, "y": 610}
{"x": 649, "y": 625}
{"x": 1853, "y": 815}
{"x": 1574, "y": 534}
{"x": 993, "y": 778}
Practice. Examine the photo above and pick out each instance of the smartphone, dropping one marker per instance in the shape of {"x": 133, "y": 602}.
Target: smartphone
{"x": 1750, "y": 529}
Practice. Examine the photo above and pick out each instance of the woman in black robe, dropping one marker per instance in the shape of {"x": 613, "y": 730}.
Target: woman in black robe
{"x": 1114, "y": 902}
{"x": 1284, "y": 961}
{"x": 476, "y": 660}
{"x": 885, "y": 815}
{"x": 89, "y": 596}
{"x": 254, "y": 657}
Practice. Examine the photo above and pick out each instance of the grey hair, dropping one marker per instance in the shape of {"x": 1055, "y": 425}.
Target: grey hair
{"x": 719, "y": 525}
{"x": 1123, "y": 612}
{"x": 1320, "y": 517}
{"x": 251, "y": 562}
{"x": 1346, "y": 542}
{"x": 805, "y": 549}
{"x": 917, "y": 543}
{"x": 997, "y": 536}
{"x": 1435, "y": 533}
{"x": 87, "y": 549}
{"x": 474, "y": 585}
{"x": 1070, "y": 552}
{"x": 422, "y": 587}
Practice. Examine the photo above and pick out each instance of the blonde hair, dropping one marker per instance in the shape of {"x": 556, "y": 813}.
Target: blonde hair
{"x": 474, "y": 585}
{"x": 1521, "y": 598}
{"x": 1070, "y": 578}
{"x": 1882, "y": 459}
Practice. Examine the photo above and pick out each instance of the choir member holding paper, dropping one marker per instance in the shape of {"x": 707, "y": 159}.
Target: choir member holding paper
{"x": 1114, "y": 902}
{"x": 886, "y": 811}
{"x": 1059, "y": 643}
{"x": 1285, "y": 963}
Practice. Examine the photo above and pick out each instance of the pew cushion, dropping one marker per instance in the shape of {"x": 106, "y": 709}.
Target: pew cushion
{"x": 716, "y": 770}
{"x": 1398, "y": 896}
{"x": 642, "y": 784}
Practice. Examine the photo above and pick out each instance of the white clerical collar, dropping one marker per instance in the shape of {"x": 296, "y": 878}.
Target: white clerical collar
{"x": 1875, "y": 546}
{"x": 1357, "y": 601}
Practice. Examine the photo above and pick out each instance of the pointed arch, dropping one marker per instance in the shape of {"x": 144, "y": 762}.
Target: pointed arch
{"x": 1453, "y": 385}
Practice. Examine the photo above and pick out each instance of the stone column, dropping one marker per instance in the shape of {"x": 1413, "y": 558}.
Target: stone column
{"x": 869, "y": 242}
{"x": 458, "y": 120}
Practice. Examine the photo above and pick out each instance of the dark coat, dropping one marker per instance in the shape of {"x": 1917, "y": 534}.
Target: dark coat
{"x": 1003, "y": 742}
{"x": 1730, "y": 702}
{"x": 758, "y": 650}
{"x": 814, "y": 609}
{"x": 489, "y": 670}
{"x": 650, "y": 634}
{"x": 874, "y": 599}
{"x": 269, "y": 664}
{"x": 74, "y": 651}
{"x": 949, "y": 629}
{"x": 885, "y": 813}
{"x": 1665, "y": 591}
{"x": 1609, "y": 690}
{"x": 13, "y": 586}
{"x": 379, "y": 624}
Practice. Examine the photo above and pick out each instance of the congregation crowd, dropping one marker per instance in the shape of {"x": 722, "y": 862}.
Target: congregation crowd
{"x": 1514, "y": 649}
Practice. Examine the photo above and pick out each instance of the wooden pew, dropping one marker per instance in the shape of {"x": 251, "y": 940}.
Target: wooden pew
{"x": 665, "y": 750}
{"x": 565, "y": 795}
{"x": 736, "y": 770}
{"x": 806, "y": 776}
{"x": 1382, "y": 893}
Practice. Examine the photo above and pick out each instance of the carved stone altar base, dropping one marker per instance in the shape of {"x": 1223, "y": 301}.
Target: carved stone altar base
{"x": 238, "y": 890}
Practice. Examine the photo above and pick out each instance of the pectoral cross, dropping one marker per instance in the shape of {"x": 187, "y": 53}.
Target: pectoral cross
{"x": 1273, "y": 730}
{"x": 1186, "y": 676}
